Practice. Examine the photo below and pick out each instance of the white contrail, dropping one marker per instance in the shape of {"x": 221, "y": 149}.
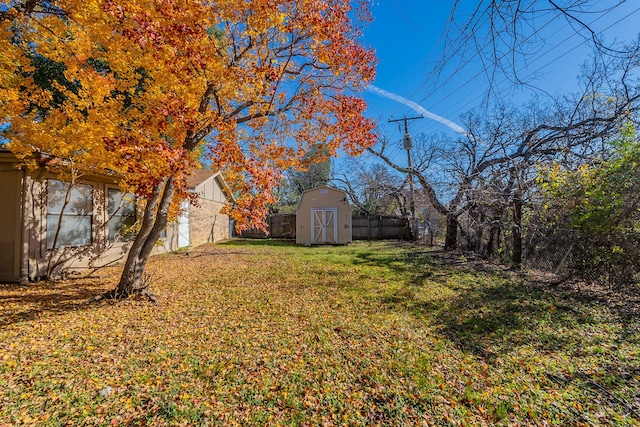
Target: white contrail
{"x": 417, "y": 108}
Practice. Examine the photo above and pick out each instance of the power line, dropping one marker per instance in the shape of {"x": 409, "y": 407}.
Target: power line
{"x": 479, "y": 73}
{"x": 517, "y": 46}
{"x": 444, "y": 59}
{"x": 540, "y": 57}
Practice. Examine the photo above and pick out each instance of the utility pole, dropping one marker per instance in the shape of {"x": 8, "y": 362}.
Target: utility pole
{"x": 407, "y": 143}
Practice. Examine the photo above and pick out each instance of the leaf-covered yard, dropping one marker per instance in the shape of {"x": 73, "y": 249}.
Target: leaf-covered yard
{"x": 267, "y": 333}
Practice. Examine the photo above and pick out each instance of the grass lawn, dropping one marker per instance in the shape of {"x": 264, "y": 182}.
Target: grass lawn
{"x": 268, "y": 333}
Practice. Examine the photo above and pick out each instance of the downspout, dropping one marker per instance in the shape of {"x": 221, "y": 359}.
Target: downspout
{"x": 24, "y": 233}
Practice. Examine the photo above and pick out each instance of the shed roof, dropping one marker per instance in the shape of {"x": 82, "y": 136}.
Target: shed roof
{"x": 320, "y": 189}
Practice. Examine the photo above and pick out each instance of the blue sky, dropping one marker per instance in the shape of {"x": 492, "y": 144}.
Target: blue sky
{"x": 406, "y": 35}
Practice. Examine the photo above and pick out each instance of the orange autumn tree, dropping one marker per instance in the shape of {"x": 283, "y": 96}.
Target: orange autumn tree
{"x": 144, "y": 87}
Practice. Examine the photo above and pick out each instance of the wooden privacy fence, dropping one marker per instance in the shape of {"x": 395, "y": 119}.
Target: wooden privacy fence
{"x": 379, "y": 228}
{"x": 283, "y": 226}
{"x": 280, "y": 226}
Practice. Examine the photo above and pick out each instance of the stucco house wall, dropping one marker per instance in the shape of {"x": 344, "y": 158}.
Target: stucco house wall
{"x": 323, "y": 216}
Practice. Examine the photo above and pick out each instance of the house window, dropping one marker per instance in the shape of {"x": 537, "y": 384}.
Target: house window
{"x": 69, "y": 214}
{"x": 122, "y": 215}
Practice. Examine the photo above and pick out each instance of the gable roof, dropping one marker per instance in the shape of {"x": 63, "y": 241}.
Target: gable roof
{"x": 201, "y": 175}
{"x": 322, "y": 190}
{"x": 322, "y": 187}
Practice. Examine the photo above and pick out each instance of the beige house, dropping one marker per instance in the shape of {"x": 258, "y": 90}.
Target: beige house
{"x": 204, "y": 223}
{"x": 49, "y": 226}
{"x": 323, "y": 217}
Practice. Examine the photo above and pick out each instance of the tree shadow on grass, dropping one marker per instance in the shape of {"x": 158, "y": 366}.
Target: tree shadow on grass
{"x": 482, "y": 308}
{"x": 501, "y": 317}
{"x": 486, "y": 310}
{"x": 493, "y": 319}
{"x": 481, "y": 305}
{"x": 416, "y": 264}
{"x": 45, "y": 299}
{"x": 510, "y": 317}
{"x": 490, "y": 313}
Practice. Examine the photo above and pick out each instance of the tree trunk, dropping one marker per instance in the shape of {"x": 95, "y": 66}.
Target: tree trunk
{"x": 154, "y": 220}
{"x": 477, "y": 247}
{"x": 494, "y": 238}
{"x": 516, "y": 258}
{"x": 451, "y": 237}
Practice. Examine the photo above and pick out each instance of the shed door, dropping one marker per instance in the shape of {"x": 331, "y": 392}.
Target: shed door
{"x": 323, "y": 226}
